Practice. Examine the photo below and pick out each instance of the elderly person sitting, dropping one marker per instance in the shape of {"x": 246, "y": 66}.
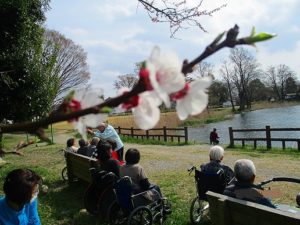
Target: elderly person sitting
{"x": 92, "y": 147}
{"x": 243, "y": 188}
{"x": 216, "y": 155}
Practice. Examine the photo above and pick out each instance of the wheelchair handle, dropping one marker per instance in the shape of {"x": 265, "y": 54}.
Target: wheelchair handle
{"x": 278, "y": 179}
{"x": 190, "y": 170}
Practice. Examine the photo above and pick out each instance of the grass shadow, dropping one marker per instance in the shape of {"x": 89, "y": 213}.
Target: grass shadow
{"x": 65, "y": 203}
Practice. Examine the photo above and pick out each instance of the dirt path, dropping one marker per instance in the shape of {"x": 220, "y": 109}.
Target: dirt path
{"x": 158, "y": 157}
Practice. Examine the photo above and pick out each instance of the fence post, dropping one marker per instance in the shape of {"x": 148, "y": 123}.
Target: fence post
{"x": 119, "y": 129}
{"x": 147, "y": 134}
{"x": 268, "y": 137}
{"x": 165, "y": 133}
{"x": 298, "y": 142}
{"x": 231, "y": 137}
{"x": 52, "y": 138}
{"x": 186, "y": 136}
{"x": 131, "y": 131}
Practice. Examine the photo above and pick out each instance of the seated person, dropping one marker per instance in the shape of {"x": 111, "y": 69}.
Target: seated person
{"x": 83, "y": 147}
{"x": 19, "y": 206}
{"x": 92, "y": 147}
{"x": 243, "y": 188}
{"x": 106, "y": 162}
{"x": 136, "y": 172}
{"x": 114, "y": 153}
{"x": 71, "y": 145}
{"x": 216, "y": 155}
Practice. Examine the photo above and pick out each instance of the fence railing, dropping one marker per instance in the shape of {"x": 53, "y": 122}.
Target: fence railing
{"x": 161, "y": 134}
{"x": 268, "y": 137}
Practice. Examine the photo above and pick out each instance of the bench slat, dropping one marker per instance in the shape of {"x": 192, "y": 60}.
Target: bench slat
{"x": 225, "y": 210}
{"x": 78, "y": 166}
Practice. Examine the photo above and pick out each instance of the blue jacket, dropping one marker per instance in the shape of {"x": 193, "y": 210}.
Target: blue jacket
{"x": 110, "y": 133}
{"x": 28, "y": 215}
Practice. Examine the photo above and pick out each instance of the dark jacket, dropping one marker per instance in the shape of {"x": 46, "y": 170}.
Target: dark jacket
{"x": 215, "y": 166}
{"x": 247, "y": 192}
{"x": 82, "y": 150}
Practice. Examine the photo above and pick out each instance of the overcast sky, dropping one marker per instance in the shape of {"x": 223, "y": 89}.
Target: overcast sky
{"x": 118, "y": 33}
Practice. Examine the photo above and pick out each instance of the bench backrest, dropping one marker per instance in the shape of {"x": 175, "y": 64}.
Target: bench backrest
{"x": 79, "y": 166}
{"x": 230, "y": 211}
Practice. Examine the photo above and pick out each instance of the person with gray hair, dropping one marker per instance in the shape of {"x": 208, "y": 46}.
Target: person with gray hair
{"x": 216, "y": 155}
{"x": 105, "y": 132}
{"x": 244, "y": 188}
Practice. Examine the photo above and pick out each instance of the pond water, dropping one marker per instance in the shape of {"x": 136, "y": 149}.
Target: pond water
{"x": 286, "y": 117}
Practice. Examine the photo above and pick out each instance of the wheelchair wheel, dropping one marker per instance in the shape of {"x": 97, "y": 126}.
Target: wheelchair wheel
{"x": 140, "y": 216}
{"x": 90, "y": 199}
{"x": 116, "y": 215}
{"x": 198, "y": 210}
{"x": 64, "y": 174}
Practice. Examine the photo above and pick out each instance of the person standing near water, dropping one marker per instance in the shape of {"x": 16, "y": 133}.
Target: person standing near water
{"x": 213, "y": 137}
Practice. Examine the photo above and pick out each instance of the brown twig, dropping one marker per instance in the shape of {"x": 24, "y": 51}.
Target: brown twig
{"x": 179, "y": 15}
{"x": 54, "y": 117}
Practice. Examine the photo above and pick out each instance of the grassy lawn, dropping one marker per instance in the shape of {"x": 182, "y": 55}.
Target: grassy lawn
{"x": 165, "y": 165}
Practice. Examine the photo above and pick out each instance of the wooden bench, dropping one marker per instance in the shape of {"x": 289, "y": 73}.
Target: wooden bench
{"x": 230, "y": 211}
{"x": 78, "y": 166}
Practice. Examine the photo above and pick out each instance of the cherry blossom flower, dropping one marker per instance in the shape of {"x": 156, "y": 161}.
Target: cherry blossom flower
{"x": 70, "y": 106}
{"x": 192, "y": 99}
{"x": 88, "y": 97}
{"x": 130, "y": 103}
{"x": 165, "y": 74}
{"x": 146, "y": 114}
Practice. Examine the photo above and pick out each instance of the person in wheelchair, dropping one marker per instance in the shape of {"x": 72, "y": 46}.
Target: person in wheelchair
{"x": 135, "y": 171}
{"x": 243, "y": 187}
{"x": 216, "y": 155}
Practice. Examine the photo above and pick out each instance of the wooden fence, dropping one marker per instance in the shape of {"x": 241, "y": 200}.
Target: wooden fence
{"x": 163, "y": 134}
{"x": 268, "y": 137}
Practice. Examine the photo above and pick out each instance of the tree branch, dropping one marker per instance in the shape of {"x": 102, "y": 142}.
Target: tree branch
{"x": 55, "y": 117}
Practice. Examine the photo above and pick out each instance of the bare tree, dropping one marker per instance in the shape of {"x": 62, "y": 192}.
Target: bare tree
{"x": 179, "y": 14}
{"x": 245, "y": 69}
{"x": 127, "y": 81}
{"x": 277, "y": 79}
{"x": 202, "y": 69}
{"x": 71, "y": 66}
{"x": 226, "y": 76}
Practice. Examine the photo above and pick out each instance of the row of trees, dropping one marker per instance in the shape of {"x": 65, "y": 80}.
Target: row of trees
{"x": 37, "y": 66}
{"x": 242, "y": 80}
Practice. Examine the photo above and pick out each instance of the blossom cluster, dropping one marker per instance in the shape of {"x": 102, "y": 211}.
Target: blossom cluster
{"x": 164, "y": 82}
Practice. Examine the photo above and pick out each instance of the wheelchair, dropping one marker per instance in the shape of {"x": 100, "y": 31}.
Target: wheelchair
{"x": 100, "y": 194}
{"x": 137, "y": 209}
{"x": 204, "y": 182}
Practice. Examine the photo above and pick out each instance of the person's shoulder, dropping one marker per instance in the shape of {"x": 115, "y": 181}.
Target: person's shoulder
{"x": 113, "y": 161}
{"x": 2, "y": 199}
{"x": 224, "y": 167}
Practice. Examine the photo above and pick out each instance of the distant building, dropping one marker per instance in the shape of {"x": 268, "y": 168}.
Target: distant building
{"x": 292, "y": 96}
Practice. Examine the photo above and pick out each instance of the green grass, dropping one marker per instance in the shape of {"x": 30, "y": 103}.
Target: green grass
{"x": 262, "y": 149}
{"x": 198, "y": 122}
{"x": 129, "y": 139}
{"x": 165, "y": 165}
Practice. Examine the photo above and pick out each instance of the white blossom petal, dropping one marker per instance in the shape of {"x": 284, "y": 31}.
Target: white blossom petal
{"x": 195, "y": 101}
{"x": 88, "y": 97}
{"x": 147, "y": 114}
{"x": 165, "y": 74}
